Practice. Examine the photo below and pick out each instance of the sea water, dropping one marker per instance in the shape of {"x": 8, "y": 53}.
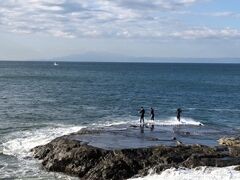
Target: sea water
{"x": 40, "y": 101}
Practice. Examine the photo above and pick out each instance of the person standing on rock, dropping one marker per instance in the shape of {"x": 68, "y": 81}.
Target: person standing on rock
{"x": 152, "y": 114}
{"x": 179, "y": 111}
{"x": 142, "y": 112}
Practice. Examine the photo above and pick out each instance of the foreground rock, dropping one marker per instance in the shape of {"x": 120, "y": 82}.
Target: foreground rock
{"x": 233, "y": 144}
{"x": 75, "y": 157}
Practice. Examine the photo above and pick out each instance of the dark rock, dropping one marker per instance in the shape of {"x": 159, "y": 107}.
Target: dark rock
{"x": 74, "y": 157}
{"x": 161, "y": 167}
{"x": 237, "y": 168}
{"x": 88, "y": 131}
{"x": 234, "y": 151}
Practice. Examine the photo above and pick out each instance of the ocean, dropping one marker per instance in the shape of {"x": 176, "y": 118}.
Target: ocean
{"x": 40, "y": 101}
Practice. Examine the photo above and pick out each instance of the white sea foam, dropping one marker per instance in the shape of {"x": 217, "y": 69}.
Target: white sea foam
{"x": 172, "y": 121}
{"x": 115, "y": 121}
{"x": 111, "y": 123}
{"x": 201, "y": 173}
{"x": 20, "y": 143}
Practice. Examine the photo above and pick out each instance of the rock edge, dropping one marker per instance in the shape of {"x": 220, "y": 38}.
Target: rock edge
{"x": 87, "y": 162}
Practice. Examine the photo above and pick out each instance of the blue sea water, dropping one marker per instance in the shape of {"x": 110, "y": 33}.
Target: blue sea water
{"x": 39, "y": 101}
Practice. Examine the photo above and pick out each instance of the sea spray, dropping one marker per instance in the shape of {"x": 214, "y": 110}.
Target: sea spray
{"x": 20, "y": 143}
{"x": 199, "y": 173}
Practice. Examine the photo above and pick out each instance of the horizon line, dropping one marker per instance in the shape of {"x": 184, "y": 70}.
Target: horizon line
{"x": 144, "y": 62}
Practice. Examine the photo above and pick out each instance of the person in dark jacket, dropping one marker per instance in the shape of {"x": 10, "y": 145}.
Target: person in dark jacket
{"x": 179, "y": 111}
{"x": 152, "y": 114}
{"x": 142, "y": 112}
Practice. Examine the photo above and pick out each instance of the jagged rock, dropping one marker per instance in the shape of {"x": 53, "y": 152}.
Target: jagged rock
{"x": 74, "y": 157}
{"x": 230, "y": 141}
{"x": 234, "y": 151}
{"x": 237, "y": 168}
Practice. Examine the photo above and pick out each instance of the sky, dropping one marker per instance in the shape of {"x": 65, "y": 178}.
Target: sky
{"x": 43, "y": 29}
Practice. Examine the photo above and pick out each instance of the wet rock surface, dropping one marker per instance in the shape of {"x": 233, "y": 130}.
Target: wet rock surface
{"x": 80, "y": 155}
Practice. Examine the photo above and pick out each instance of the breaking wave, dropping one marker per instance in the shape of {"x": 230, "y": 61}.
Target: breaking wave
{"x": 200, "y": 173}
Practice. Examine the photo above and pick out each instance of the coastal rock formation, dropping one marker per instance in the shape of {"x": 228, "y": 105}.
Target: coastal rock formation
{"x": 230, "y": 141}
{"x": 76, "y": 157}
{"x": 233, "y": 144}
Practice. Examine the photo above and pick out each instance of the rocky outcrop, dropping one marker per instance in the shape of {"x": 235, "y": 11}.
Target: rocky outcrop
{"x": 230, "y": 141}
{"x": 233, "y": 145}
{"x": 74, "y": 157}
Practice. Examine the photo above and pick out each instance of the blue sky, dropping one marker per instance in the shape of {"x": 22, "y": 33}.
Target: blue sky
{"x": 38, "y": 29}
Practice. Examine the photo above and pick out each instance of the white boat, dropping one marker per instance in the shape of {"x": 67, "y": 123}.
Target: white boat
{"x": 55, "y": 64}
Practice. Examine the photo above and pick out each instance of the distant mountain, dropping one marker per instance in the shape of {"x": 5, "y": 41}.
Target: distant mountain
{"x": 114, "y": 57}
{"x": 96, "y": 57}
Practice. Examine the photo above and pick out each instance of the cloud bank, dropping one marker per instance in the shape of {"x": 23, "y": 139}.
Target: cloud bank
{"x": 105, "y": 18}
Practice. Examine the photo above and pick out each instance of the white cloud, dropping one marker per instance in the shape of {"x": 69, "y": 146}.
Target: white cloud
{"x": 204, "y": 32}
{"x": 104, "y": 18}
